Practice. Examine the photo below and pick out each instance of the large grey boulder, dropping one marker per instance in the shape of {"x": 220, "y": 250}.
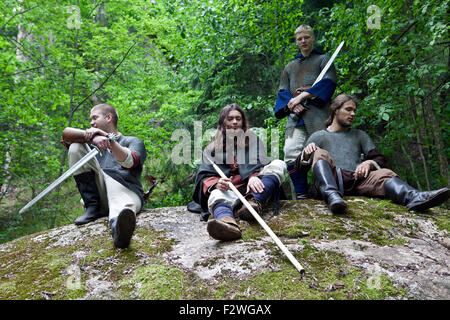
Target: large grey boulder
{"x": 378, "y": 250}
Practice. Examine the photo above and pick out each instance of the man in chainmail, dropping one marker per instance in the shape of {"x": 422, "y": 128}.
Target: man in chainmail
{"x": 296, "y": 89}
{"x": 335, "y": 156}
{"x": 110, "y": 183}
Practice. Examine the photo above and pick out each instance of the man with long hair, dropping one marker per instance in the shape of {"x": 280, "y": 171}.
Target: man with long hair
{"x": 240, "y": 154}
{"x": 110, "y": 183}
{"x": 296, "y": 88}
{"x": 335, "y": 156}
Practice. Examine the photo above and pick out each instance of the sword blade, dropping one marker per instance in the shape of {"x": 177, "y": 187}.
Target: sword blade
{"x": 327, "y": 66}
{"x": 63, "y": 177}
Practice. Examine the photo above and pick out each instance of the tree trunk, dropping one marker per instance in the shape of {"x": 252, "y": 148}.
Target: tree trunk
{"x": 438, "y": 141}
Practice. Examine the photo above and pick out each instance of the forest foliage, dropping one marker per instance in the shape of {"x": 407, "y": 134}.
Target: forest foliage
{"x": 167, "y": 64}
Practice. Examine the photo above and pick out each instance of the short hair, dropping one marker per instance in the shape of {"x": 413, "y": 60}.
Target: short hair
{"x": 337, "y": 103}
{"x": 304, "y": 28}
{"x": 107, "y": 108}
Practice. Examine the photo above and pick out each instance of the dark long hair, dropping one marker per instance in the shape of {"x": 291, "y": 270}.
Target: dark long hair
{"x": 337, "y": 104}
{"x": 224, "y": 114}
{"x": 220, "y": 141}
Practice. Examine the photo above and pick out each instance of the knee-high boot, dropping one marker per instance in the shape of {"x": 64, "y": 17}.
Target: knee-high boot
{"x": 91, "y": 197}
{"x": 400, "y": 192}
{"x": 328, "y": 186}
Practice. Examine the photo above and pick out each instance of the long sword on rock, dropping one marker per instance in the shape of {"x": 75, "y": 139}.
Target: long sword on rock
{"x": 260, "y": 220}
{"x": 91, "y": 154}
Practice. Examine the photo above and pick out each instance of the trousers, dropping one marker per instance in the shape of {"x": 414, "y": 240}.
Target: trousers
{"x": 114, "y": 197}
{"x": 276, "y": 167}
{"x": 372, "y": 185}
{"x": 293, "y": 144}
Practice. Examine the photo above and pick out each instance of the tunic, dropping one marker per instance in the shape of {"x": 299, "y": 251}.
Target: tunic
{"x": 302, "y": 72}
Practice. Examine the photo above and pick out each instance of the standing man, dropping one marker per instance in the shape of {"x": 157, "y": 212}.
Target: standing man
{"x": 295, "y": 88}
{"x": 335, "y": 156}
{"x": 110, "y": 183}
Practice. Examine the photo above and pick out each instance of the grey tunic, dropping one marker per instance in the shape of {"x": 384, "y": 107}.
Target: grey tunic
{"x": 344, "y": 147}
{"x": 302, "y": 72}
{"x": 130, "y": 178}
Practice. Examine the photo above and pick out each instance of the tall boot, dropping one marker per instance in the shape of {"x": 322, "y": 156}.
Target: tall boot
{"x": 122, "y": 228}
{"x": 91, "y": 197}
{"x": 256, "y": 200}
{"x": 328, "y": 186}
{"x": 400, "y": 192}
{"x": 300, "y": 182}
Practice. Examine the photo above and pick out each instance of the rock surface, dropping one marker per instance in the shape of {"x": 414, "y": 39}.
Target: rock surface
{"x": 378, "y": 250}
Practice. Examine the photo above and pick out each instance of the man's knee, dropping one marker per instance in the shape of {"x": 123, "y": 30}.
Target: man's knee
{"x": 218, "y": 196}
{"x": 384, "y": 173}
{"x": 277, "y": 168}
{"x": 77, "y": 150}
{"x": 373, "y": 185}
{"x": 321, "y": 154}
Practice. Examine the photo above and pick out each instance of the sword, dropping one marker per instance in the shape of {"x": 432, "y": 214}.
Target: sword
{"x": 315, "y": 116}
{"x": 327, "y": 66}
{"x": 325, "y": 69}
{"x": 63, "y": 177}
{"x": 260, "y": 221}
{"x": 91, "y": 154}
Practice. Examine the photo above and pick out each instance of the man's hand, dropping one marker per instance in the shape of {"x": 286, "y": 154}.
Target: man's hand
{"x": 101, "y": 142}
{"x": 362, "y": 170}
{"x": 255, "y": 184}
{"x": 294, "y": 104}
{"x": 90, "y": 133}
{"x": 298, "y": 109}
{"x": 222, "y": 184}
{"x": 309, "y": 150}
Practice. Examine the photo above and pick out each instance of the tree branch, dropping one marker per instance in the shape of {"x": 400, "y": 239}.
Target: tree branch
{"x": 105, "y": 80}
{"x": 15, "y": 15}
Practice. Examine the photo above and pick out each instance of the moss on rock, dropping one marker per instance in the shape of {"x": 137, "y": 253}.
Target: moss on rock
{"x": 172, "y": 257}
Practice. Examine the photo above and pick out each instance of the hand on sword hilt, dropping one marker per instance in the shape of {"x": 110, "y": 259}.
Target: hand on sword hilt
{"x": 102, "y": 142}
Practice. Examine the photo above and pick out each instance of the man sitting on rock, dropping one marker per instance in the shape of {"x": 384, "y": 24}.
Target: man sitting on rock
{"x": 110, "y": 183}
{"x": 239, "y": 153}
{"x": 335, "y": 156}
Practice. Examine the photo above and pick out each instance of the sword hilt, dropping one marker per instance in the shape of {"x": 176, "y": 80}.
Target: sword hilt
{"x": 111, "y": 137}
{"x": 304, "y": 105}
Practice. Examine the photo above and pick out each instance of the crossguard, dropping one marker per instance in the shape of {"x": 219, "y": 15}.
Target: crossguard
{"x": 113, "y": 137}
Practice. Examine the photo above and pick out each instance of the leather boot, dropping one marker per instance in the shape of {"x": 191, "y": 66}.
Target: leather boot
{"x": 244, "y": 214}
{"x": 91, "y": 197}
{"x": 122, "y": 228}
{"x": 328, "y": 186}
{"x": 400, "y": 192}
{"x": 224, "y": 229}
{"x": 223, "y": 226}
